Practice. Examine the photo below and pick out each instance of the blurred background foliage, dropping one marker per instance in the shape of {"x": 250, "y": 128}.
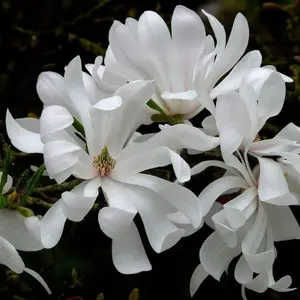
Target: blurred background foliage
{"x": 38, "y": 36}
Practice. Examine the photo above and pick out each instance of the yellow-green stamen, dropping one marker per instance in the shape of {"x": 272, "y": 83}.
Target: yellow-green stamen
{"x": 104, "y": 163}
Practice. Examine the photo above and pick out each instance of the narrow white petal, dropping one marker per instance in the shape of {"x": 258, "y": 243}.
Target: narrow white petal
{"x": 211, "y": 193}
{"x": 39, "y": 278}
{"x": 185, "y": 96}
{"x": 110, "y": 103}
{"x": 259, "y": 284}
{"x": 219, "y": 32}
{"x": 271, "y": 97}
{"x": 54, "y": 118}
{"x": 180, "y": 197}
{"x": 199, "y": 275}
{"x": 233, "y": 80}
{"x": 215, "y": 256}
{"x": 60, "y": 156}
{"x": 22, "y": 138}
{"x": 51, "y": 89}
{"x": 202, "y": 166}
{"x": 273, "y": 187}
{"x": 290, "y": 132}
{"x": 284, "y": 224}
{"x": 13, "y": 228}
{"x": 10, "y": 257}
{"x": 282, "y": 285}
{"x": 128, "y": 253}
{"x": 75, "y": 204}
{"x": 8, "y": 184}
{"x": 159, "y": 157}
{"x": 235, "y": 48}
{"x": 52, "y": 225}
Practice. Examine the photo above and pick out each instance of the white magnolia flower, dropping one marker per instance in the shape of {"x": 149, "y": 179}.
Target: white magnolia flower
{"x": 15, "y": 235}
{"x": 241, "y": 115}
{"x": 108, "y": 160}
{"x": 248, "y": 224}
{"x": 186, "y": 65}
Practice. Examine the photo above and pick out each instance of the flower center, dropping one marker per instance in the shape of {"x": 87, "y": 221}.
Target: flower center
{"x": 103, "y": 162}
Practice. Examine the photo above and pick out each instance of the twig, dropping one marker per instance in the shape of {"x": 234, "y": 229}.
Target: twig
{"x": 59, "y": 188}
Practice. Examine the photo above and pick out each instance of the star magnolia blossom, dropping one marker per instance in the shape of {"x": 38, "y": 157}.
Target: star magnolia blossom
{"x": 186, "y": 66}
{"x": 111, "y": 161}
{"x": 248, "y": 224}
{"x": 15, "y": 235}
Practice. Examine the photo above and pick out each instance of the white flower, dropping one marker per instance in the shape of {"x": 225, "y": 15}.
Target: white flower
{"x": 108, "y": 160}
{"x": 248, "y": 224}
{"x": 15, "y": 235}
{"x": 187, "y": 65}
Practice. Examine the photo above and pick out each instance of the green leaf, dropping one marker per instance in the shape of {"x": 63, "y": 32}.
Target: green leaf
{"x": 2, "y": 201}
{"x": 6, "y": 165}
{"x": 78, "y": 126}
{"x": 155, "y": 106}
{"x": 32, "y": 182}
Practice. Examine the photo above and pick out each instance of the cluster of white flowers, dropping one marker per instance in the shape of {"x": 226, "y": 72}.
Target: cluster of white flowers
{"x": 150, "y": 74}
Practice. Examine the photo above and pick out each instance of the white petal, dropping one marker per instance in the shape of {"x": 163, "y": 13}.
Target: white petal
{"x": 117, "y": 196}
{"x": 159, "y": 157}
{"x": 242, "y": 272}
{"x": 79, "y": 98}
{"x": 188, "y": 39}
{"x": 259, "y": 284}
{"x": 231, "y": 138}
{"x": 8, "y": 184}
{"x": 39, "y": 278}
{"x": 211, "y": 193}
{"x": 271, "y": 97}
{"x": 180, "y": 197}
{"x": 199, "y": 275}
{"x": 76, "y": 204}
{"x": 233, "y": 80}
{"x": 55, "y": 118}
{"x": 202, "y": 166}
{"x": 174, "y": 137}
{"x": 290, "y": 132}
{"x": 235, "y": 48}
{"x": 273, "y": 187}
{"x": 162, "y": 234}
{"x": 282, "y": 285}
{"x": 185, "y": 96}
{"x": 215, "y": 256}
{"x": 51, "y": 89}
{"x": 128, "y": 253}
{"x": 52, "y": 225}
{"x": 218, "y": 30}
{"x": 263, "y": 260}
{"x": 155, "y": 37}
{"x": 10, "y": 257}
{"x": 110, "y": 103}
{"x": 14, "y": 229}
{"x": 23, "y": 139}
{"x": 222, "y": 227}
{"x": 59, "y": 156}
{"x": 209, "y": 126}
{"x": 135, "y": 96}
{"x": 272, "y": 147}
{"x": 230, "y": 108}
{"x": 284, "y": 224}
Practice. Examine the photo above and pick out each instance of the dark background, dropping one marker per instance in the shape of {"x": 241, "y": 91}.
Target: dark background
{"x": 45, "y": 35}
